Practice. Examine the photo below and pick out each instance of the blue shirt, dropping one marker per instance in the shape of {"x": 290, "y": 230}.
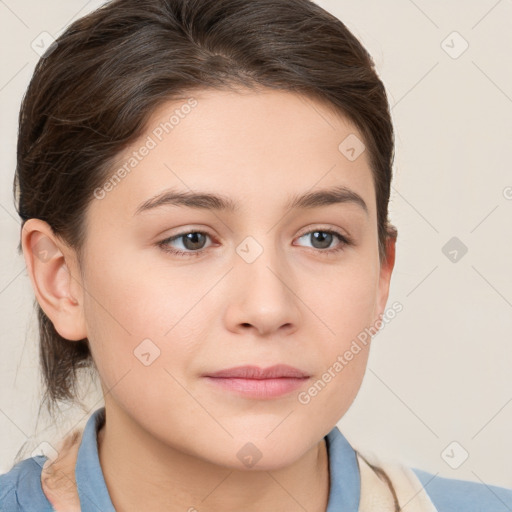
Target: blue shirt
{"x": 20, "y": 488}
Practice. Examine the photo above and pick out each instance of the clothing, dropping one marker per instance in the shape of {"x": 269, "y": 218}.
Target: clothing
{"x": 355, "y": 484}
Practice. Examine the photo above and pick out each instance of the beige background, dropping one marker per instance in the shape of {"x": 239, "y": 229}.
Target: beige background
{"x": 441, "y": 370}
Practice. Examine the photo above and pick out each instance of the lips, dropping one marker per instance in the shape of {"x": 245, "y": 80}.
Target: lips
{"x": 277, "y": 371}
{"x": 252, "y": 382}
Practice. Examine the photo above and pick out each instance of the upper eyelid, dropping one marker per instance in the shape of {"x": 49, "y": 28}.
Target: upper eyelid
{"x": 307, "y": 231}
{"x": 321, "y": 228}
{"x": 318, "y": 227}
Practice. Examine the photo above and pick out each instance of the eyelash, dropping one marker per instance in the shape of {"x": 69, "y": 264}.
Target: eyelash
{"x": 344, "y": 242}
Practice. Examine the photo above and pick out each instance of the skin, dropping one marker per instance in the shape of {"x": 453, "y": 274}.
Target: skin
{"x": 171, "y": 438}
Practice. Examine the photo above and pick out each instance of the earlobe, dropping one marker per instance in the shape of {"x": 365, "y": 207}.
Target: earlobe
{"x": 53, "y": 279}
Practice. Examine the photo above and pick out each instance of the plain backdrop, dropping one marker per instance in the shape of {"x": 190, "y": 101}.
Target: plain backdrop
{"x": 438, "y": 387}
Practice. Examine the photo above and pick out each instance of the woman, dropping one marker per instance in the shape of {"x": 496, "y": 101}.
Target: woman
{"x": 204, "y": 192}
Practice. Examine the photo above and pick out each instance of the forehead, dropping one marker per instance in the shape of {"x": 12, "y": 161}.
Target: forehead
{"x": 250, "y": 145}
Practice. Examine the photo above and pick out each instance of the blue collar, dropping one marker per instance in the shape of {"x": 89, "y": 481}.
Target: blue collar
{"x": 93, "y": 493}
{"x": 344, "y": 493}
{"x": 92, "y": 489}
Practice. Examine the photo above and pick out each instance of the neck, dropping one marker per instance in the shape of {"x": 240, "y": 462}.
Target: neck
{"x": 143, "y": 474}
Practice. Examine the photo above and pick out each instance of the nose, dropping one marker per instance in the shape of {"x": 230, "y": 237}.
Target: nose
{"x": 264, "y": 295}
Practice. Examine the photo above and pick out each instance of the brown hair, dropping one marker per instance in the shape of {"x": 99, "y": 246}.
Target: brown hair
{"x": 91, "y": 95}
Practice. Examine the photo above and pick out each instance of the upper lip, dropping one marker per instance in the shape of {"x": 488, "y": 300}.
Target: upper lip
{"x": 254, "y": 372}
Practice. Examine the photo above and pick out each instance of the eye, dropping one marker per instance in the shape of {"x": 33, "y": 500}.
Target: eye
{"x": 192, "y": 241}
{"x": 323, "y": 238}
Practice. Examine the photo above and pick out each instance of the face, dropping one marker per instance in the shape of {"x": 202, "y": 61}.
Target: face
{"x": 179, "y": 290}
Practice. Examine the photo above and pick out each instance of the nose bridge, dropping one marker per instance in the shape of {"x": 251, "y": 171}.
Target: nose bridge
{"x": 259, "y": 260}
{"x": 264, "y": 284}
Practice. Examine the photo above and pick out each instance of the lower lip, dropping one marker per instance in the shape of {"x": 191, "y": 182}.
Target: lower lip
{"x": 259, "y": 388}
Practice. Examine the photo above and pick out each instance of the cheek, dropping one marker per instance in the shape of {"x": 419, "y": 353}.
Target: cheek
{"x": 345, "y": 311}
{"x": 131, "y": 294}
{"x": 135, "y": 314}
{"x": 344, "y": 301}
{"x": 334, "y": 388}
{"x": 138, "y": 364}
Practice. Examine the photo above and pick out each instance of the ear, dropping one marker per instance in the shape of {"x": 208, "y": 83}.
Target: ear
{"x": 53, "y": 271}
{"x": 386, "y": 269}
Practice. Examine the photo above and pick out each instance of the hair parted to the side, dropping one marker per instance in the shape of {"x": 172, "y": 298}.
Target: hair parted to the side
{"x": 92, "y": 95}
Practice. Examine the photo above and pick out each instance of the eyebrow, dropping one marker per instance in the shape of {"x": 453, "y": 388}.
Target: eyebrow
{"x": 209, "y": 201}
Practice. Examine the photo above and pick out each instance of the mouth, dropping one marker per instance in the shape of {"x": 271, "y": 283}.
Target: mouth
{"x": 254, "y": 382}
